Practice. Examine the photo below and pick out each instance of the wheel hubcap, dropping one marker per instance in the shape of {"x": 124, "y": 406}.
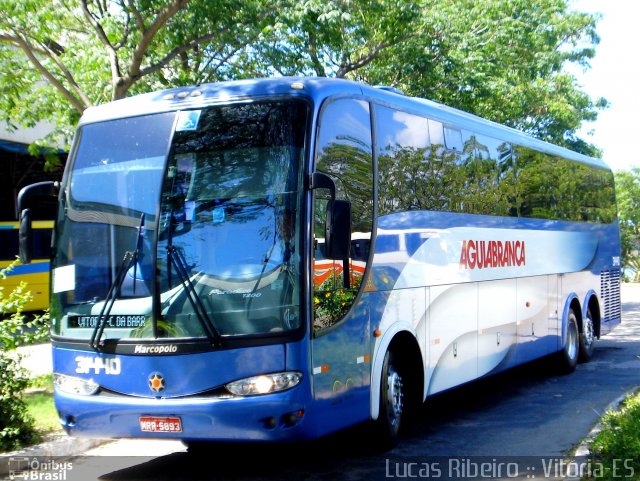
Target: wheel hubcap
{"x": 588, "y": 332}
{"x": 395, "y": 396}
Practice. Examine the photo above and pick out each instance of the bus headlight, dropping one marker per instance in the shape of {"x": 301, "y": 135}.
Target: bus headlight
{"x": 265, "y": 384}
{"x": 74, "y": 385}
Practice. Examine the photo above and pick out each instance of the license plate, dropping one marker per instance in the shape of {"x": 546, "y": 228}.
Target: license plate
{"x": 153, "y": 424}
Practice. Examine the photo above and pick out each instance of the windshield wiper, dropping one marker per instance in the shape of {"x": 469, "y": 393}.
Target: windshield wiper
{"x": 200, "y": 311}
{"x": 175, "y": 258}
{"x": 128, "y": 259}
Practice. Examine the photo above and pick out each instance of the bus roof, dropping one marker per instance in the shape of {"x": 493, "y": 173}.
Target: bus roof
{"x": 316, "y": 89}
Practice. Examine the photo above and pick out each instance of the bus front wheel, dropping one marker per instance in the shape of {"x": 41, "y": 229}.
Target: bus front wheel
{"x": 393, "y": 400}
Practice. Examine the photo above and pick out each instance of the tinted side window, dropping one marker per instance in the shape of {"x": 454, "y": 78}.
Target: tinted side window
{"x": 424, "y": 165}
{"x": 489, "y": 180}
{"x": 9, "y": 244}
{"x": 551, "y": 187}
{"x": 415, "y": 169}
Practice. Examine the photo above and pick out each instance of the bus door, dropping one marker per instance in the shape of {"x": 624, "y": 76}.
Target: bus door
{"x": 341, "y": 344}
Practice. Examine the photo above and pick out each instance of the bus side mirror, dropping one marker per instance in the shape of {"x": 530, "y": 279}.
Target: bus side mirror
{"x": 338, "y": 229}
{"x": 26, "y": 195}
{"x": 338, "y": 222}
{"x": 25, "y": 237}
{"x": 40, "y": 189}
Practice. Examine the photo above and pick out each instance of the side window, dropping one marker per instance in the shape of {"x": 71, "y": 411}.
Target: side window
{"x": 344, "y": 153}
{"x": 489, "y": 178}
{"x": 415, "y": 170}
{"x": 9, "y": 243}
{"x": 42, "y": 243}
{"x": 453, "y": 139}
{"x": 551, "y": 187}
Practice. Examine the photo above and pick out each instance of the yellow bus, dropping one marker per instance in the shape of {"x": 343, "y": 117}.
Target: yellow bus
{"x": 35, "y": 274}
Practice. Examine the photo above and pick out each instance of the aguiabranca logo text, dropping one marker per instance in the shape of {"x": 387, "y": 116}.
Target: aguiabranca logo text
{"x": 487, "y": 254}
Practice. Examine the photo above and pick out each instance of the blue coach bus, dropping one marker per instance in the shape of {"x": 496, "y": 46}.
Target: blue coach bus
{"x": 282, "y": 258}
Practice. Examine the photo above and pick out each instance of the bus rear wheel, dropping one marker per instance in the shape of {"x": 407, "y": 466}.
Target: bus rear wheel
{"x": 393, "y": 398}
{"x": 587, "y": 338}
{"x": 569, "y": 354}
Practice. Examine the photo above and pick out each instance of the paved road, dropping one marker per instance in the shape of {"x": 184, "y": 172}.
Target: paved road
{"x": 529, "y": 411}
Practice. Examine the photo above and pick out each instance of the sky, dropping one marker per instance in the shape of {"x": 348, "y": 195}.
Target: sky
{"x": 614, "y": 75}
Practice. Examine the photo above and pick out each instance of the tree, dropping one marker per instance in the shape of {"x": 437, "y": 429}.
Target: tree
{"x": 501, "y": 59}
{"x": 60, "y": 57}
{"x": 628, "y": 197}
{"x": 334, "y": 38}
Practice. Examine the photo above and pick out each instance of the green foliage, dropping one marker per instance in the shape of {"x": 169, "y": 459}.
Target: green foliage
{"x": 615, "y": 451}
{"x": 501, "y": 59}
{"x": 628, "y": 197}
{"x": 16, "y": 426}
{"x": 41, "y": 407}
{"x": 333, "y": 38}
{"x": 44, "y": 381}
{"x": 331, "y": 305}
{"x": 59, "y": 57}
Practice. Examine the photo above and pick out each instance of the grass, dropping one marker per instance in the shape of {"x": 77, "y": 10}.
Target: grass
{"x": 615, "y": 450}
{"x": 39, "y": 400}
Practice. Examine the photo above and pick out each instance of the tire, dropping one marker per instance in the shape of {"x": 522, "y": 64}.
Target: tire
{"x": 393, "y": 398}
{"x": 570, "y": 351}
{"x": 587, "y": 338}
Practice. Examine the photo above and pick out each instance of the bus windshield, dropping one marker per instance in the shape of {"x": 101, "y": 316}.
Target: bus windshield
{"x": 180, "y": 224}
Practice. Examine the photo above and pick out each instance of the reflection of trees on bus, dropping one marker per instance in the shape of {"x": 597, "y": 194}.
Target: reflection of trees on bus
{"x": 352, "y": 162}
{"x": 332, "y": 299}
{"x": 418, "y": 178}
{"x": 554, "y": 188}
{"x": 518, "y": 182}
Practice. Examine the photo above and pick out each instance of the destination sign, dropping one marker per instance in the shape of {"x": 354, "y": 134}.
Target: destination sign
{"x": 114, "y": 321}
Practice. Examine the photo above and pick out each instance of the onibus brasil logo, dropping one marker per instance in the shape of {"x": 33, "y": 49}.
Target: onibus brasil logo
{"x": 37, "y": 468}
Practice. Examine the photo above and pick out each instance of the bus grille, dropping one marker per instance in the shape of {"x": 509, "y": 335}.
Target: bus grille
{"x": 610, "y": 293}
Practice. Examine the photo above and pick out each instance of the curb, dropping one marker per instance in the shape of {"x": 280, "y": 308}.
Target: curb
{"x": 582, "y": 451}
{"x": 56, "y": 445}
{"x": 583, "y": 448}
